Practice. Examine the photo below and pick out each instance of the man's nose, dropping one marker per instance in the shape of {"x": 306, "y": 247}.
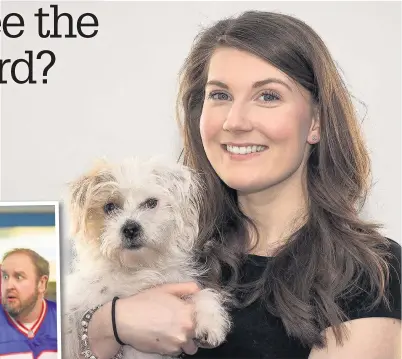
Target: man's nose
{"x": 8, "y": 284}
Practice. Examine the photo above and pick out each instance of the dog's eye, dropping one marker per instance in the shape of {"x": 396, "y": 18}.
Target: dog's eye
{"x": 109, "y": 207}
{"x": 150, "y": 203}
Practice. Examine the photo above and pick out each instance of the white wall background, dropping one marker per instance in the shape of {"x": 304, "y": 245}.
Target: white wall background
{"x": 114, "y": 95}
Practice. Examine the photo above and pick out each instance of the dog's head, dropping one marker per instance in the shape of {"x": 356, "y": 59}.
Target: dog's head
{"x": 135, "y": 210}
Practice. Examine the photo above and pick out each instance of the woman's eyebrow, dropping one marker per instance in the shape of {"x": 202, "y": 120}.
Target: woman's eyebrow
{"x": 255, "y": 85}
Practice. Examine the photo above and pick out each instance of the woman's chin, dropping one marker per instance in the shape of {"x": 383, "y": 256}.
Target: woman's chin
{"x": 246, "y": 186}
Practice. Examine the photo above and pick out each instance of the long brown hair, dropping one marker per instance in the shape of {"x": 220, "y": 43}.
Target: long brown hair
{"x": 335, "y": 249}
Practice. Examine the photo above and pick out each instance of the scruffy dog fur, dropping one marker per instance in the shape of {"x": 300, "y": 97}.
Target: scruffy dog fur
{"x": 135, "y": 226}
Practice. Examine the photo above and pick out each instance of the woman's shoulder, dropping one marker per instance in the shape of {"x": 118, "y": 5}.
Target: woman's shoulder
{"x": 361, "y": 307}
{"x": 394, "y": 248}
{"x": 394, "y": 285}
{"x": 394, "y": 261}
{"x": 394, "y": 264}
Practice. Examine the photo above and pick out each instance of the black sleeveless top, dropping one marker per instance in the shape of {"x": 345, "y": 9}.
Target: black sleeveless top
{"x": 258, "y": 334}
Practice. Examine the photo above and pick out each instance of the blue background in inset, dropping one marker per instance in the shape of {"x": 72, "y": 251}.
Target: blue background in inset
{"x": 27, "y": 220}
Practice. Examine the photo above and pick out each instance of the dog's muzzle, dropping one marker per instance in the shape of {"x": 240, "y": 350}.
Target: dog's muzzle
{"x": 131, "y": 232}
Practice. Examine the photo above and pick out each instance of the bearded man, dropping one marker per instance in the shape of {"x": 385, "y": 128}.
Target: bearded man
{"x": 28, "y": 321}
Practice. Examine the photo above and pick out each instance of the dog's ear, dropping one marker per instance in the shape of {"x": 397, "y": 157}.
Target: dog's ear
{"x": 179, "y": 180}
{"x": 80, "y": 192}
{"x": 185, "y": 185}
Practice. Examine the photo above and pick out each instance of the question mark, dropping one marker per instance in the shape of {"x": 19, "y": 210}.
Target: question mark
{"x": 51, "y": 63}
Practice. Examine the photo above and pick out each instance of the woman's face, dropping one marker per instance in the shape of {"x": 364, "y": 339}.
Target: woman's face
{"x": 256, "y": 123}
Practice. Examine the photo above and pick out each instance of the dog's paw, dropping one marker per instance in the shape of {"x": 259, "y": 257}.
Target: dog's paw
{"x": 213, "y": 321}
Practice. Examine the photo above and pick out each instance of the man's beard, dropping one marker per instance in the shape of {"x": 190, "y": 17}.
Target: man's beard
{"x": 24, "y": 307}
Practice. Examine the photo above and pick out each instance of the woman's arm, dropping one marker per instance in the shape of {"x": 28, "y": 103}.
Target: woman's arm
{"x": 368, "y": 338}
{"x": 154, "y": 321}
{"x": 100, "y": 333}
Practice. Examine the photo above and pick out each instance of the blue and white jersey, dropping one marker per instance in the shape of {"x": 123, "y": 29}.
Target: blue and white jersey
{"x": 38, "y": 342}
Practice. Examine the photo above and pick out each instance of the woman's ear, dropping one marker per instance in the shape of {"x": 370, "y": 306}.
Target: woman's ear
{"x": 314, "y": 133}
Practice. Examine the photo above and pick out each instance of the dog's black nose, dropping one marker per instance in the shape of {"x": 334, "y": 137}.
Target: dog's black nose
{"x": 131, "y": 230}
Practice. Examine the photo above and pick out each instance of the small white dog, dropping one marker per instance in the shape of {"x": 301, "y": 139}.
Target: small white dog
{"x": 135, "y": 226}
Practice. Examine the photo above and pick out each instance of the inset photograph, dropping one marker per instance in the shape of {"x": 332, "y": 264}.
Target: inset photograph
{"x": 29, "y": 282}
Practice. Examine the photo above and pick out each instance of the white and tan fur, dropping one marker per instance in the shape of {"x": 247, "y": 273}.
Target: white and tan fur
{"x": 104, "y": 268}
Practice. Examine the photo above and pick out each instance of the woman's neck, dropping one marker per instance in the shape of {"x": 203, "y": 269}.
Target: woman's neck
{"x": 277, "y": 212}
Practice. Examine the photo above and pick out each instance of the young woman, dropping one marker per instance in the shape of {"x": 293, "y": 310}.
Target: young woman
{"x": 269, "y": 124}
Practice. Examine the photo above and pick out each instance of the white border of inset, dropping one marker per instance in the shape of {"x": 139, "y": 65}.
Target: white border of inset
{"x": 56, "y": 205}
{"x": 1, "y": 17}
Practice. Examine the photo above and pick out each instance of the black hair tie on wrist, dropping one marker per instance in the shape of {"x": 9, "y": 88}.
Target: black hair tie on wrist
{"x": 116, "y": 336}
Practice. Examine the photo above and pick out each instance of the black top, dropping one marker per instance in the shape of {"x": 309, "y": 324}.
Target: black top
{"x": 258, "y": 334}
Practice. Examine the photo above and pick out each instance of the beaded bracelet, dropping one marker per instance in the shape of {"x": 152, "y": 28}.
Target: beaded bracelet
{"x": 85, "y": 350}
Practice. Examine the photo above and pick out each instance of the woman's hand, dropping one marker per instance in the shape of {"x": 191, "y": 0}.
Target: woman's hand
{"x": 156, "y": 320}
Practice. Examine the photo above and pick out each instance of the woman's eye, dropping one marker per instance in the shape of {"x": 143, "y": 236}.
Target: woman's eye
{"x": 269, "y": 97}
{"x": 220, "y": 96}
